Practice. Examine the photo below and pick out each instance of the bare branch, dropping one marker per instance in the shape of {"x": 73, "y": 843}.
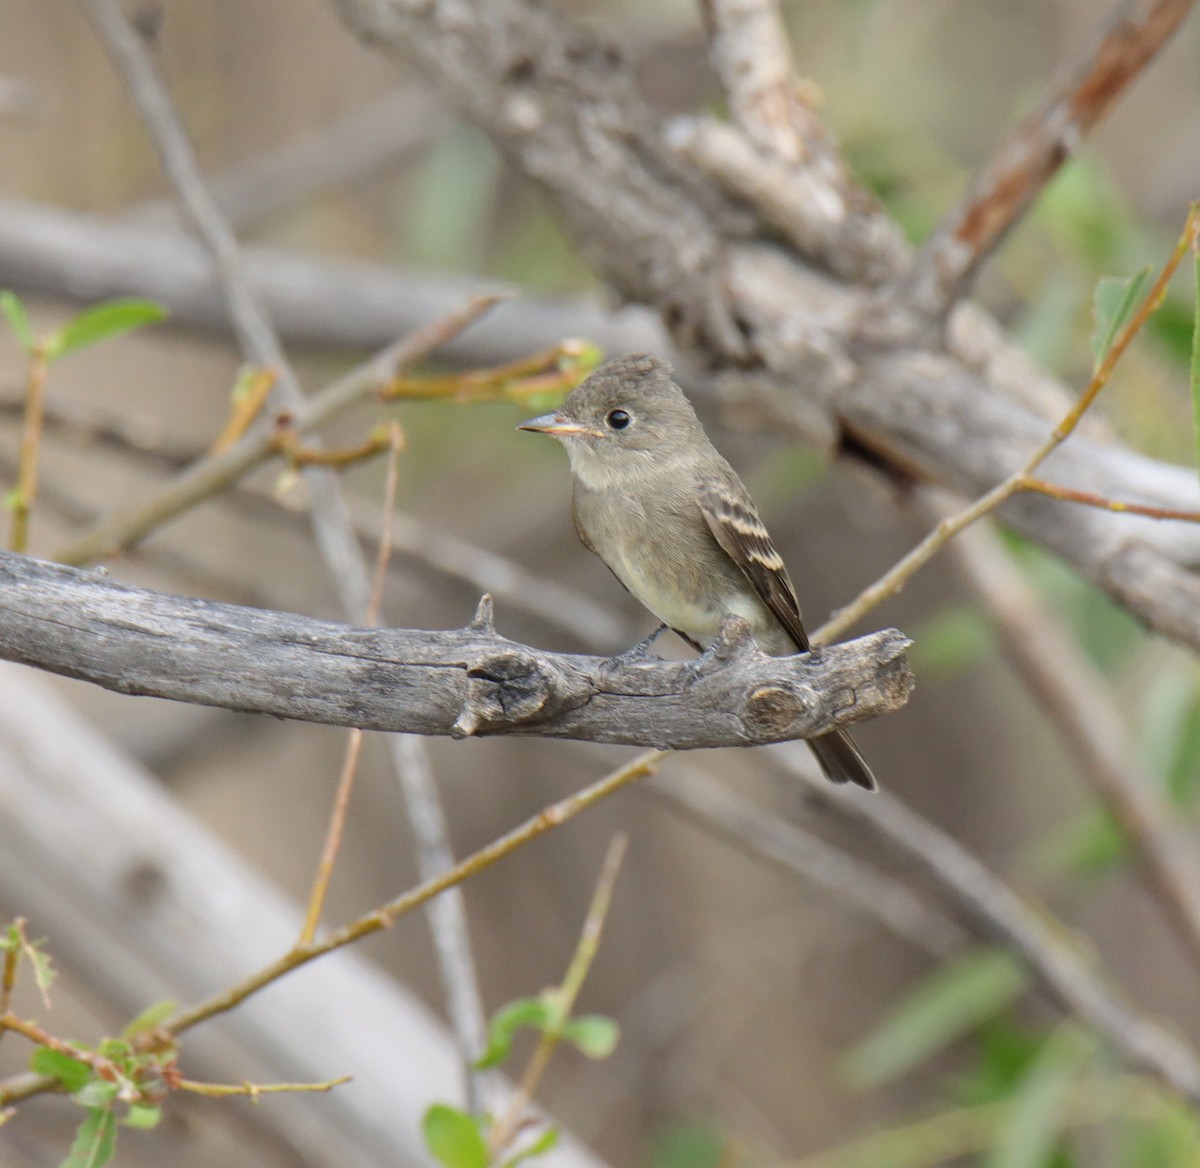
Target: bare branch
{"x": 464, "y": 682}
{"x": 1033, "y": 153}
{"x": 784, "y": 161}
{"x": 345, "y": 304}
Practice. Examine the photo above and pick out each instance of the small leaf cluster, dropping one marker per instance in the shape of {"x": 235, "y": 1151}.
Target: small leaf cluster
{"x": 120, "y": 1082}
{"x": 459, "y": 1139}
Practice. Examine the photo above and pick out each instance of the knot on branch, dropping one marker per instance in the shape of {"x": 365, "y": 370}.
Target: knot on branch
{"x": 514, "y": 685}
{"x": 774, "y": 711}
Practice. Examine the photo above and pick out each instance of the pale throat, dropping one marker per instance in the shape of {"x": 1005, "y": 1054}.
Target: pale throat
{"x": 603, "y": 470}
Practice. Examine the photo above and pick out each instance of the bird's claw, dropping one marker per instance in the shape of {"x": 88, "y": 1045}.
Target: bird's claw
{"x": 638, "y": 652}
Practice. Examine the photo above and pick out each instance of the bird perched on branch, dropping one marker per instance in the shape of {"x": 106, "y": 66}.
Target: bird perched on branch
{"x": 675, "y": 524}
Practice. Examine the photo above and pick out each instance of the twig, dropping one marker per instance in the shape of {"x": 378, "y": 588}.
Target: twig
{"x": 333, "y": 837}
{"x": 249, "y": 396}
{"x": 546, "y": 820}
{"x": 255, "y": 332}
{"x": 898, "y": 575}
{"x": 1000, "y": 913}
{"x": 1000, "y": 194}
{"x": 254, "y": 1090}
{"x": 1091, "y": 499}
{"x": 509, "y": 1123}
{"x": 1082, "y": 710}
{"x": 31, "y": 438}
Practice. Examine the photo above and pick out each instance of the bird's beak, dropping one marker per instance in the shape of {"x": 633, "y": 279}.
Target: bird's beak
{"x": 555, "y": 425}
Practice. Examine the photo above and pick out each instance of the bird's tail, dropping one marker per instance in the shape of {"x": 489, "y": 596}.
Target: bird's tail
{"x": 841, "y": 761}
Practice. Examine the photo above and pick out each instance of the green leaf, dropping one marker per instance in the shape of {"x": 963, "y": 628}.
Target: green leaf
{"x": 1194, "y": 367}
{"x": 454, "y": 1137}
{"x": 12, "y": 499}
{"x": 71, "y": 1072}
{"x": 18, "y": 319}
{"x": 96, "y": 1093}
{"x": 143, "y": 1116}
{"x": 547, "y": 1140}
{"x": 535, "y": 1012}
{"x": 1114, "y": 302}
{"x": 943, "y": 1007}
{"x": 1030, "y": 1131}
{"x": 152, "y": 1016}
{"x": 94, "y": 1141}
{"x": 593, "y": 1034}
{"x": 106, "y": 320}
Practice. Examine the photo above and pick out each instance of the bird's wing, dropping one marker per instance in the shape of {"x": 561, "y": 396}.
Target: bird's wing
{"x": 733, "y": 520}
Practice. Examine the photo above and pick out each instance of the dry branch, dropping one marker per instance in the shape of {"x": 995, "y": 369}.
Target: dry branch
{"x": 460, "y": 682}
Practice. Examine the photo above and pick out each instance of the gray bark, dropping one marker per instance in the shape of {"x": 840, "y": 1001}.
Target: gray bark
{"x": 460, "y": 682}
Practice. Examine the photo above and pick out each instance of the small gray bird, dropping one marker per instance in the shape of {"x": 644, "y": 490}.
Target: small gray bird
{"x": 674, "y": 523}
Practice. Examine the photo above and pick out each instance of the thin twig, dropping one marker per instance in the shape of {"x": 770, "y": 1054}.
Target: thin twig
{"x": 26, "y": 1085}
{"x": 31, "y": 438}
{"x": 1091, "y": 499}
{"x": 999, "y": 912}
{"x": 254, "y": 1090}
{"x": 1082, "y": 710}
{"x": 899, "y": 574}
{"x": 1017, "y": 172}
{"x": 509, "y": 1124}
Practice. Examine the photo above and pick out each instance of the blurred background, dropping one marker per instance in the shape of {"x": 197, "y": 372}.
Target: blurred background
{"x": 745, "y": 995}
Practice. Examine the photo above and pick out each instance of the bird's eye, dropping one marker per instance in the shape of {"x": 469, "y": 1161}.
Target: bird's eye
{"x": 618, "y": 419}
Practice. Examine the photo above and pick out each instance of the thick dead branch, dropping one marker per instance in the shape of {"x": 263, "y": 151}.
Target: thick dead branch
{"x": 784, "y": 161}
{"x": 461, "y": 682}
{"x": 1033, "y": 153}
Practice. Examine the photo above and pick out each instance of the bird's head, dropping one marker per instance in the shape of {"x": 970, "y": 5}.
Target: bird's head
{"x": 627, "y": 413}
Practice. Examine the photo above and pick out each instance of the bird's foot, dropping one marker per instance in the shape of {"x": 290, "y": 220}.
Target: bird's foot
{"x": 639, "y": 652}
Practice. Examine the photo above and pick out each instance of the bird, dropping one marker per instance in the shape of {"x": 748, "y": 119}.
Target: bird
{"x": 671, "y": 519}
